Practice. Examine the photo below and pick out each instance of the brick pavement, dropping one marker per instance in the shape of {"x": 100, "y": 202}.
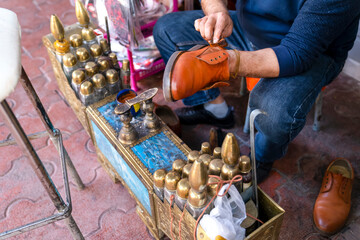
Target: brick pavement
{"x": 105, "y": 210}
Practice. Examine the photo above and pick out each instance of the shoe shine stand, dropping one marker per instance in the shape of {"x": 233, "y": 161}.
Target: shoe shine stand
{"x": 11, "y": 70}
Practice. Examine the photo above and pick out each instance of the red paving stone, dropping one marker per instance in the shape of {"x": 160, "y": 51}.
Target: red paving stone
{"x": 105, "y": 210}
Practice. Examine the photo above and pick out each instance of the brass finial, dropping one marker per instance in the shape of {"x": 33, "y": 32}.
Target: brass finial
{"x": 230, "y": 151}
{"x": 197, "y": 199}
{"x": 186, "y": 170}
{"x": 82, "y": 54}
{"x": 193, "y": 155}
{"x": 159, "y": 178}
{"x": 198, "y": 176}
{"x": 82, "y": 14}
{"x": 217, "y": 153}
{"x": 78, "y": 76}
{"x": 86, "y": 88}
{"x": 206, "y": 159}
{"x": 112, "y": 76}
{"x": 88, "y": 34}
{"x": 69, "y": 60}
{"x": 178, "y": 165}
{"x": 244, "y": 164}
{"x": 76, "y": 40}
{"x": 205, "y": 148}
{"x": 96, "y": 50}
{"x": 215, "y": 167}
{"x": 57, "y": 28}
{"x": 99, "y": 80}
{"x": 104, "y": 64}
{"x": 104, "y": 45}
{"x": 171, "y": 180}
{"x": 183, "y": 187}
{"x": 91, "y": 68}
{"x": 229, "y": 172}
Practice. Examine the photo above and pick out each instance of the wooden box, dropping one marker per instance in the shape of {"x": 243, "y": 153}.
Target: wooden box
{"x": 64, "y": 86}
{"x": 134, "y": 164}
{"x": 270, "y": 213}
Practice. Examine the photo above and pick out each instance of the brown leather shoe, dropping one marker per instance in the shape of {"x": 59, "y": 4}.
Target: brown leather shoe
{"x": 333, "y": 203}
{"x": 200, "y": 68}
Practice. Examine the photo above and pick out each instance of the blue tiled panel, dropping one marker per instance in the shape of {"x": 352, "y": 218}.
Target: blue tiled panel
{"x": 107, "y": 111}
{"x": 158, "y": 152}
{"x": 122, "y": 168}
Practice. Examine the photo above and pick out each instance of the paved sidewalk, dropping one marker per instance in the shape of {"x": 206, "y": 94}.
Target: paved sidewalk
{"x": 105, "y": 210}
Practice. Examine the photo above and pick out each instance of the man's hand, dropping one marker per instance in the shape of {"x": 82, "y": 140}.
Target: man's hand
{"x": 214, "y": 26}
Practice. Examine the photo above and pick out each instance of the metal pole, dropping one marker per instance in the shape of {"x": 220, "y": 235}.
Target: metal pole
{"x": 30, "y": 91}
{"x": 39, "y": 169}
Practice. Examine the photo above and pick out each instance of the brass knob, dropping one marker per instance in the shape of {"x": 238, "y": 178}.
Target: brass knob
{"x": 76, "y": 40}
{"x": 215, "y": 167}
{"x": 78, "y": 76}
{"x": 96, "y": 50}
{"x": 229, "y": 172}
{"x": 197, "y": 199}
{"x": 114, "y": 59}
{"x": 178, "y": 165}
{"x": 99, "y": 80}
{"x": 69, "y": 60}
{"x": 193, "y": 156}
{"x": 86, "y": 88}
{"x": 104, "y": 45}
{"x": 82, "y": 54}
{"x": 186, "y": 170}
{"x": 171, "y": 180}
{"x": 91, "y": 68}
{"x": 112, "y": 76}
{"x": 81, "y": 13}
{"x": 159, "y": 178}
{"x": 244, "y": 164}
{"x": 217, "y": 153}
{"x": 206, "y": 159}
{"x": 230, "y": 151}
{"x": 103, "y": 63}
{"x": 88, "y": 34}
{"x": 212, "y": 187}
{"x": 183, "y": 188}
{"x": 205, "y": 148}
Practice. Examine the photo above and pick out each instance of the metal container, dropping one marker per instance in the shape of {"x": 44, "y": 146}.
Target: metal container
{"x": 113, "y": 81}
{"x": 69, "y": 65}
{"x": 83, "y": 56}
{"x": 78, "y": 76}
{"x": 125, "y": 74}
{"x": 100, "y": 86}
{"x": 86, "y": 93}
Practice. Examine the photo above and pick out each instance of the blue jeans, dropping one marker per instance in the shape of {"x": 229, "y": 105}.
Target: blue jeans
{"x": 287, "y": 100}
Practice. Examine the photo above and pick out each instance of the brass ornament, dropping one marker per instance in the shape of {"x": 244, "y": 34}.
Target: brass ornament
{"x": 99, "y": 80}
{"x": 69, "y": 60}
{"x": 103, "y": 63}
{"x": 159, "y": 178}
{"x": 197, "y": 199}
{"x": 76, "y": 40}
{"x": 198, "y": 176}
{"x": 178, "y": 165}
{"x": 193, "y": 156}
{"x": 211, "y": 188}
{"x": 82, "y": 14}
{"x": 215, "y": 167}
{"x": 171, "y": 180}
{"x": 228, "y": 172}
{"x": 205, "y": 148}
{"x": 104, "y": 45}
{"x": 230, "y": 151}
{"x": 183, "y": 188}
{"x": 114, "y": 59}
{"x": 82, "y": 54}
{"x": 62, "y": 47}
{"x": 244, "y": 164}
{"x": 112, "y": 76}
{"x": 217, "y": 153}
{"x": 88, "y": 34}
{"x": 86, "y": 88}
{"x": 78, "y": 76}
{"x": 206, "y": 159}
{"x": 57, "y": 28}
{"x": 91, "y": 69}
{"x": 186, "y": 170}
{"x": 96, "y": 50}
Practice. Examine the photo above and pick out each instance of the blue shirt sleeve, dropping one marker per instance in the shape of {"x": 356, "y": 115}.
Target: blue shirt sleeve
{"x": 318, "y": 25}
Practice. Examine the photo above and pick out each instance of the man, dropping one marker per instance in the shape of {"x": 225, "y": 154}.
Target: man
{"x": 295, "y": 46}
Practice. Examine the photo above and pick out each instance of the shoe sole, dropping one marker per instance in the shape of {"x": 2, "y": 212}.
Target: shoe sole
{"x": 168, "y": 72}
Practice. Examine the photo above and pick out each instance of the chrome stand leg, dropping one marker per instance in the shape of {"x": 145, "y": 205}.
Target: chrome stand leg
{"x": 40, "y": 171}
{"x": 247, "y": 121}
{"x": 30, "y": 91}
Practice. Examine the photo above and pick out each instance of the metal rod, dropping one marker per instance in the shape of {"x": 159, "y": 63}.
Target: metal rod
{"x": 107, "y": 32}
{"x": 30, "y": 91}
{"x": 32, "y": 136}
{"x": 253, "y": 115}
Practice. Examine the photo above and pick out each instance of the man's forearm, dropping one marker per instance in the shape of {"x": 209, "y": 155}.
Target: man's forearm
{"x": 262, "y": 63}
{"x": 213, "y": 6}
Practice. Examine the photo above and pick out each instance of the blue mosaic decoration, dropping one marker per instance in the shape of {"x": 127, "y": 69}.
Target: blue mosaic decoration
{"x": 122, "y": 168}
{"x": 107, "y": 111}
{"x": 158, "y": 152}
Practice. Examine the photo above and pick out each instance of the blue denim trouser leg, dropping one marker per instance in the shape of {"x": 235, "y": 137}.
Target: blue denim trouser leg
{"x": 176, "y": 32}
{"x": 287, "y": 101}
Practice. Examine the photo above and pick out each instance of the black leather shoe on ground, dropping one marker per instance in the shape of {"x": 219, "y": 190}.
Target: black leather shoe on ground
{"x": 198, "y": 114}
